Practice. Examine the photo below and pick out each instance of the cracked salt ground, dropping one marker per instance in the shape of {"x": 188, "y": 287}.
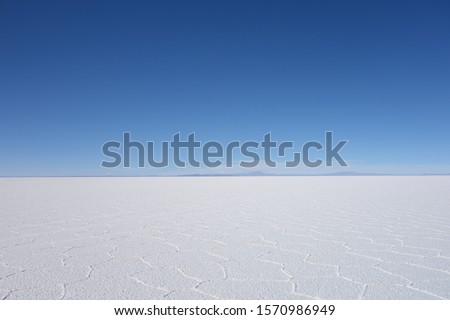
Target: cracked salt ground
{"x": 225, "y": 238}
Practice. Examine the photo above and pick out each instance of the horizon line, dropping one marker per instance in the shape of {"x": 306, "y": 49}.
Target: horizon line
{"x": 337, "y": 174}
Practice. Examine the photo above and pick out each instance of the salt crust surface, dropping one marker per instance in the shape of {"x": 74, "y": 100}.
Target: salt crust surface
{"x": 225, "y": 238}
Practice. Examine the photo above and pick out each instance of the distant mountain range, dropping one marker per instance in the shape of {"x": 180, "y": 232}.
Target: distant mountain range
{"x": 344, "y": 174}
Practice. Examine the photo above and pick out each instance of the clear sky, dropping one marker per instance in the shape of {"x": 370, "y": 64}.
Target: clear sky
{"x": 74, "y": 74}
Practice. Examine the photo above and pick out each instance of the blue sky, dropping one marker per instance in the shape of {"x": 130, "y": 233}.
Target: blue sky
{"x": 75, "y": 74}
